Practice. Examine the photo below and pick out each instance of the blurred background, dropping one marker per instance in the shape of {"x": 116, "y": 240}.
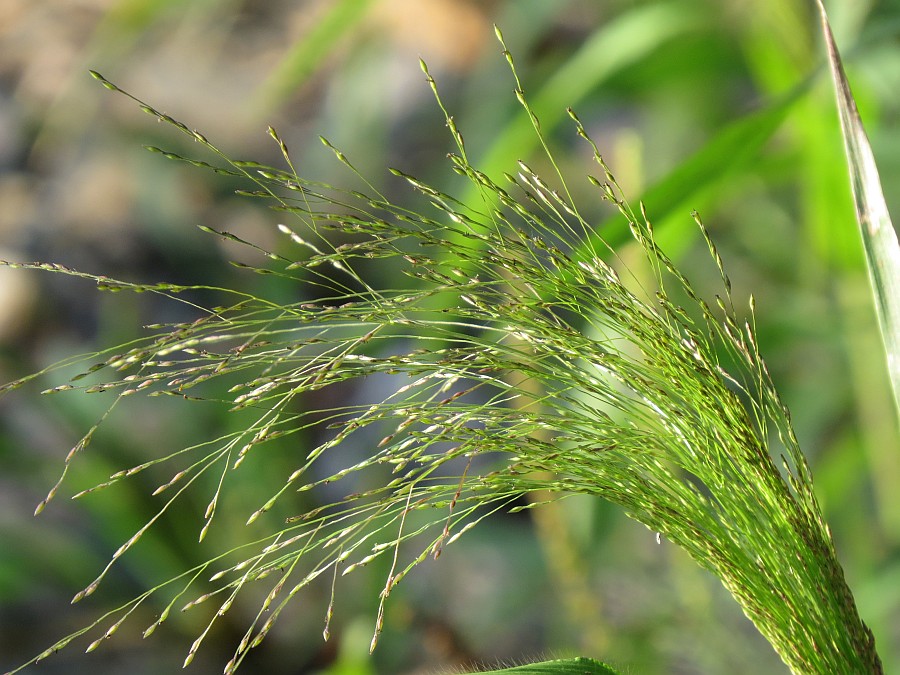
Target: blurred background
{"x": 715, "y": 105}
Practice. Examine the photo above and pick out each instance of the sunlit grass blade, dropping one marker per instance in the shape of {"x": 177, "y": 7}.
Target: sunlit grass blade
{"x": 878, "y": 235}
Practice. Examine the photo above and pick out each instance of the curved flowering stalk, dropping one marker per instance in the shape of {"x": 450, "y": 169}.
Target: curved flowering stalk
{"x": 517, "y": 361}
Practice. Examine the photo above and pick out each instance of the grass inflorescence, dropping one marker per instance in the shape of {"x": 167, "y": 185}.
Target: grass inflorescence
{"x": 521, "y": 358}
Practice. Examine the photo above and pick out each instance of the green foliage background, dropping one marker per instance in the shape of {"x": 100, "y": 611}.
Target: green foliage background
{"x": 655, "y": 83}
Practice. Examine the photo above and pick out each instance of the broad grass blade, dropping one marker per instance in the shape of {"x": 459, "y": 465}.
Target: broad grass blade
{"x": 878, "y": 234}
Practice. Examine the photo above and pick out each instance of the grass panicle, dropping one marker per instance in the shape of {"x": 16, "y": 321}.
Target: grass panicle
{"x": 521, "y": 356}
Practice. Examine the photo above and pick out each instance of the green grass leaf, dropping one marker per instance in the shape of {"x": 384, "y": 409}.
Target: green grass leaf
{"x": 879, "y": 237}
{"x": 726, "y": 153}
{"x": 309, "y": 52}
{"x": 578, "y": 666}
{"x": 611, "y": 49}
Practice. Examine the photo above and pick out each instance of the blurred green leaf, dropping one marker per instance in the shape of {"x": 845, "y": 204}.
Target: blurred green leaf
{"x": 731, "y": 149}
{"x": 308, "y": 52}
{"x": 612, "y": 48}
{"x": 878, "y": 235}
